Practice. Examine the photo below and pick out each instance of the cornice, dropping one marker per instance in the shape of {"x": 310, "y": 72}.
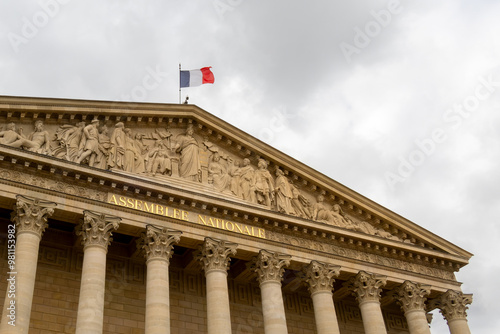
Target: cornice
{"x": 133, "y": 186}
{"x": 167, "y": 114}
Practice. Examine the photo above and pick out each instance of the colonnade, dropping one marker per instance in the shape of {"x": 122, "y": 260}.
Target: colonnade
{"x": 30, "y": 219}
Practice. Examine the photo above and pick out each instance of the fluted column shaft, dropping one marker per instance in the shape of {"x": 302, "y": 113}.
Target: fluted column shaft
{"x": 270, "y": 268}
{"x": 96, "y": 231}
{"x": 158, "y": 244}
{"x": 215, "y": 257}
{"x": 453, "y": 307}
{"x": 320, "y": 278}
{"x": 30, "y": 218}
{"x": 412, "y": 296}
{"x": 367, "y": 288}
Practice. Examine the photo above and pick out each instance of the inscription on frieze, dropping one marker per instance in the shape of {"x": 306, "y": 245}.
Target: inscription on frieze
{"x": 161, "y": 153}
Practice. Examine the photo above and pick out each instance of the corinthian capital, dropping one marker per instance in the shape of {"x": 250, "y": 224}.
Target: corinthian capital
{"x": 320, "y": 276}
{"x": 215, "y": 254}
{"x": 96, "y": 229}
{"x": 411, "y": 296}
{"x": 452, "y": 304}
{"x": 158, "y": 242}
{"x": 366, "y": 287}
{"x": 270, "y": 266}
{"x": 31, "y": 214}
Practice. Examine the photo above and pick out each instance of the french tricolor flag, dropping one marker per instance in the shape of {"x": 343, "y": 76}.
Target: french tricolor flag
{"x": 196, "y": 77}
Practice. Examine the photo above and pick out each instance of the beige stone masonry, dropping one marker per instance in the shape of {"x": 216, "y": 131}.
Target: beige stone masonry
{"x": 367, "y": 288}
{"x": 412, "y": 296}
{"x": 320, "y": 278}
{"x": 453, "y": 307}
{"x": 215, "y": 257}
{"x": 96, "y": 235}
{"x": 158, "y": 244}
{"x": 270, "y": 268}
{"x": 30, "y": 220}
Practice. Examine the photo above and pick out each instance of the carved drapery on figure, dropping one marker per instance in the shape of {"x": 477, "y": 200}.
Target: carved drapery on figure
{"x": 215, "y": 254}
{"x": 412, "y": 296}
{"x": 96, "y": 229}
{"x": 320, "y": 276}
{"x": 31, "y": 214}
{"x": 158, "y": 242}
{"x": 366, "y": 287}
{"x": 452, "y": 304}
{"x": 270, "y": 266}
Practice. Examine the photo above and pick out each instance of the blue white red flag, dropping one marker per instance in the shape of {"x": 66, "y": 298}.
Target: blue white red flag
{"x": 194, "y": 78}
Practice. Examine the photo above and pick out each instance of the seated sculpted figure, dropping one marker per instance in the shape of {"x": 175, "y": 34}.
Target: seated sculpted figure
{"x": 38, "y": 140}
{"x": 9, "y": 136}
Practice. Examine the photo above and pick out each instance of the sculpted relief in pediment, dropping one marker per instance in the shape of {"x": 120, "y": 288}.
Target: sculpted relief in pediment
{"x": 179, "y": 153}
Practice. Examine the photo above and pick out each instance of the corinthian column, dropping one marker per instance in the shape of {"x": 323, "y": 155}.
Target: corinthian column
{"x": 215, "y": 258}
{"x": 367, "y": 288}
{"x": 96, "y": 230}
{"x": 270, "y": 268}
{"x": 453, "y": 307}
{"x": 320, "y": 278}
{"x": 158, "y": 244}
{"x": 30, "y": 217}
{"x": 412, "y": 296}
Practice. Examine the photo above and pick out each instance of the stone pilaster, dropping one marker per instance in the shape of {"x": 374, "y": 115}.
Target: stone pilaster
{"x": 367, "y": 288}
{"x": 95, "y": 230}
{"x": 411, "y": 297}
{"x": 157, "y": 244}
{"x": 30, "y": 219}
{"x": 320, "y": 278}
{"x": 270, "y": 268}
{"x": 215, "y": 258}
{"x": 453, "y": 307}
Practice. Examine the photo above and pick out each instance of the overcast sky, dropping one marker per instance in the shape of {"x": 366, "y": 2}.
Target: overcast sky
{"x": 399, "y": 101}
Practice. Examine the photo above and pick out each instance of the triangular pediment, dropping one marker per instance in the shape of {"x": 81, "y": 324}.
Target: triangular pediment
{"x": 185, "y": 147}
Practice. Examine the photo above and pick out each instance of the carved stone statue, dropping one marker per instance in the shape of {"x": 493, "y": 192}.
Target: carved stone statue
{"x": 300, "y": 204}
{"x": 218, "y": 172}
{"x": 9, "y": 136}
{"x": 101, "y": 160}
{"x": 68, "y": 138}
{"x": 321, "y": 212}
{"x": 283, "y": 193}
{"x": 159, "y": 160}
{"x": 89, "y": 145}
{"x": 38, "y": 141}
{"x": 189, "y": 164}
{"x": 264, "y": 184}
{"x": 247, "y": 181}
{"x": 117, "y": 152}
{"x": 133, "y": 160}
{"x": 235, "y": 173}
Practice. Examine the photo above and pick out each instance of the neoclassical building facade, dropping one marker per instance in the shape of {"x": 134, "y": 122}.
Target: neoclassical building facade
{"x": 162, "y": 218}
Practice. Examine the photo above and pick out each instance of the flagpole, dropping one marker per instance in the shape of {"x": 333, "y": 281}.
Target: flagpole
{"x": 179, "y": 83}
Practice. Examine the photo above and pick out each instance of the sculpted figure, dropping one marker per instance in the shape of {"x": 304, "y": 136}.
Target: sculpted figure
{"x": 221, "y": 178}
{"x": 189, "y": 164}
{"x": 321, "y": 211}
{"x": 117, "y": 152}
{"x": 133, "y": 160}
{"x": 235, "y": 173}
{"x": 9, "y": 136}
{"x": 159, "y": 161}
{"x": 38, "y": 140}
{"x": 300, "y": 204}
{"x": 283, "y": 193}
{"x": 339, "y": 218}
{"x": 69, "y": 138}
{"x": 247, "y": 181}
{"x": 264, "y": 184}
{"x": 101, "y": 159}
{"x": 89, "y": 145}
